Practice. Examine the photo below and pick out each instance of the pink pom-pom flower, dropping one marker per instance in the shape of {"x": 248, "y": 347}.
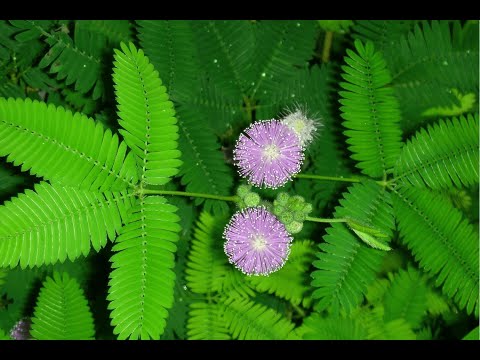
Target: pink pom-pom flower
{"x": 257, "y": 243}
{"x": 268, "y": 153}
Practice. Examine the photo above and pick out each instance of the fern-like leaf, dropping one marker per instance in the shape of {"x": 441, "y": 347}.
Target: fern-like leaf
{"x": 444, "y": 155}
{"x": 62, "y": 311}
{"x": 346, "y": 266}
{"x": 55, "y": 222}
{"x": 226, "y": 53}
{"x": 383, "y": 33}
{"x": 142, "y": 280}
{"x": 444, "y": 243}
{"x": 427, "y": 64}
{"x": 205, "y": 322}
{"x": 316, "y": 327}
{"x": 406, "y": 298}
{"x": 77, "y": 60}
{"x": 472, "y": 335}
{"x": 398, "y": 329}
{"x": 370, "y": 110}
{"x": 281, "y": 47}
{"x": 170, "y": 47}
{"x": 147, "y": 116}
{"x": 247, "y": 320}
{"x": 4, "y": 335}
{"x": 69, "y": 149}
{"x": 290, "y": 282}
{"x": 111, "y": 31}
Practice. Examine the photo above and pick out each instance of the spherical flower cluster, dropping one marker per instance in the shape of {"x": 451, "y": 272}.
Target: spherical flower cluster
{"x": 303, "y": 127}
{"x": 21, "y": 330}
{"x": 257, "y": 243}
{"x": 268, "y": 153}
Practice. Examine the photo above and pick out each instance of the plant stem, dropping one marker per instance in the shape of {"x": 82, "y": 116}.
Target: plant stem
{"x": 323, "y": 220}
{"x": 327, "y": 45}
{"x": 299, "y": 310}
{"x": 330, "y": 178}
{"x": 189, "y": 194}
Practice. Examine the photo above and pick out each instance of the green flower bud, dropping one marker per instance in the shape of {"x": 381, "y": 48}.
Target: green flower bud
{"x": 299, "y": 216}
{"x": 286, "y": 217}
{"x": 243, "y": 190}
{"x": 282, "y": 198}
{"x": 251, "y": 199}
{"x": 297, "y": 205}
{"x": 294, "y": 227}
{"x": 278, "y": 210}
{"x": 307, "y": 209}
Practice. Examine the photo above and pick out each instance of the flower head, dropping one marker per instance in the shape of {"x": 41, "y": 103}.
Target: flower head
{"x": 257, "y": 243}
{"x": 268, "y": 153}
{"x": 21, "y": 330}
{"x": 302, "y": 126}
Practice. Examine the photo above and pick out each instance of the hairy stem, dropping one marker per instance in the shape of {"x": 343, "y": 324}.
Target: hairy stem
{"x": 330, "y": 178}
{"x": 189, "y": 194}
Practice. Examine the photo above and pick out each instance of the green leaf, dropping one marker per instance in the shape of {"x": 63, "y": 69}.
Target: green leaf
{"x": 345, "y": 265}
{"x": 315, "y": 327}
{"x": 281, "y": 47}
{"x": 147, "y": 116}
{"x": 114, "y": 31}
{"x": 78, "y": 60}
{"x": 225, "y": 52}
{"x": 472, "y": 335}
{"x": 65, "y": 148}
{"x": 206, "y": 323}
{"x": 406, "y": 298}
{"x": 370, "y": 110}
{"x": 398, "y": 329}
{"x": 368, "y": 234}
{"x": 427, "y": 63}
{"x": 52, "y": 223}
{"x": 4, "y": 335}
{"x": 291, "y": 281}
{"x": 142, "y": 280}
{"x": 172, "y": 40}
{"x": 62, "y": 311}
{"x": 383, "y": 33}
{"x": 443, "y": 156}
{"x": 443, "y": 242}
{"x": 247, "y": 320}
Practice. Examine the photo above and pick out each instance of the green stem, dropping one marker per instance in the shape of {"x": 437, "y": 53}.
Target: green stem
{"x": 330, "y": 178}
{"x": 189, "y": 194}
{"x": 327, "y": 45}
{"x": 323, "y": 220}
{"x": 299, "y": 310}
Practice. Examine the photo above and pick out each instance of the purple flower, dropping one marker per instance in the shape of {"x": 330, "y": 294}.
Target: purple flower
{"x": 21, "y": 330}
{"x": 257, "y": 242}
{"x": 268, "y": 153}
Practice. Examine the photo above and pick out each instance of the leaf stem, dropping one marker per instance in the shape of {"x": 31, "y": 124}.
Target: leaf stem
{"x": 330, "y": 178}
{"x": 189, "y": 194}
{"x": 324, "y": 220}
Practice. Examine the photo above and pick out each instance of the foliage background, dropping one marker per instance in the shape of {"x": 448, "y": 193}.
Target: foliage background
{"x": 221, "y": 76}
